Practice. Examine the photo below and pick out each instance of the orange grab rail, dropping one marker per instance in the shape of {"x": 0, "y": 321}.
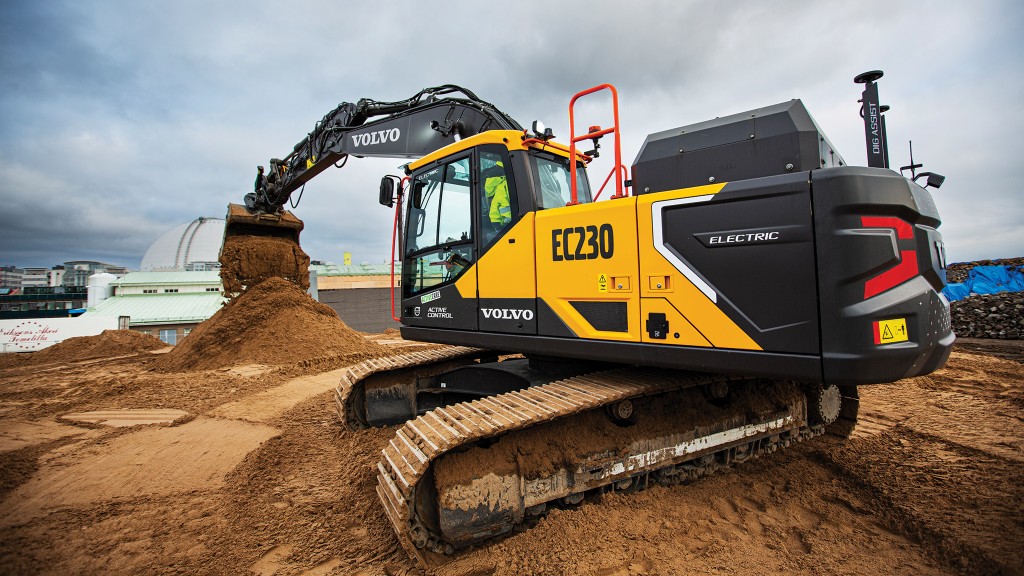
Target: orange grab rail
{"x": 619, "y": 193}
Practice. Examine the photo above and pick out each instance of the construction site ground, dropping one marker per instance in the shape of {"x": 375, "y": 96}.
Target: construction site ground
{"x": 245, "y": 469}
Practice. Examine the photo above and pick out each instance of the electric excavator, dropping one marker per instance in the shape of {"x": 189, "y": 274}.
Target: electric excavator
{"x": 726, "y": 300}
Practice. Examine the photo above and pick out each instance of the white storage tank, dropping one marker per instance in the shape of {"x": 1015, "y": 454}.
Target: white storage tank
{"x": 99, "y": 288}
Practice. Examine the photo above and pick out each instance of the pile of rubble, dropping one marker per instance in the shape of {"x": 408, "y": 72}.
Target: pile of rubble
{"x": 987, "y": 315}
{"x": 958, "y": 272}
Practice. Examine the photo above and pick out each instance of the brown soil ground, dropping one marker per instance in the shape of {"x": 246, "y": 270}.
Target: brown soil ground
{"x": 263, "y": 480}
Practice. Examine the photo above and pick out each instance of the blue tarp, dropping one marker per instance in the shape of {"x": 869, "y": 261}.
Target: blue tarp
{"x": 1017, "y": 280}
{"x": 986, "y": 280}
{"x": 956, "y": 291}
{"x": 989, "y": 279}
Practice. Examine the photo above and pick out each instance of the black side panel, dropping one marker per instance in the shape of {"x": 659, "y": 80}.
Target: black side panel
{"x": 880, "y": 263}
{"x": 753, "y": 244}
{"x": 549, "y": 324}
{"x": 514, "y": 315}
{"x": 441, "y": 308}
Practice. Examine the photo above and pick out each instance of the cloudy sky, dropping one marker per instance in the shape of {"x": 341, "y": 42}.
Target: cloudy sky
{"x": 120, "y": 120}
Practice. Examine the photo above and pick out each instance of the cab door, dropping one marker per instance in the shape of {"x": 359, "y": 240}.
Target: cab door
{"x": 438, "y": 276}
{"x": 506, "y": 273}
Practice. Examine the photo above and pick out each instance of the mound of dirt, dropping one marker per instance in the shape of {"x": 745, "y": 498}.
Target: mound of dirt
{"x": 272, "y": 323}
{"x": 249, "y": 260}
{"x": 106, "y": 344}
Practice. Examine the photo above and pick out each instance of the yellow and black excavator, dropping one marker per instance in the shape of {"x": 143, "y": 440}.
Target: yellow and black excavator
{"x": 724, "y": 302}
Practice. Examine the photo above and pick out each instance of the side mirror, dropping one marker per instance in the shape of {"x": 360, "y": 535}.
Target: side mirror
{"x": 387, "y": 191}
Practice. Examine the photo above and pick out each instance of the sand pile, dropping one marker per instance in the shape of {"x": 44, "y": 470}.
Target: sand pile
{"x": 106, "y": 344}
{"x": 249, "y": 260}
{"x": 275, "y": 323}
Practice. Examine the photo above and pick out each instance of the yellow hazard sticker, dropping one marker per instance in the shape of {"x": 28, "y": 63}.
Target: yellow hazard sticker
{"x": 602, "y": 282}
{"x": 890, "y": 331}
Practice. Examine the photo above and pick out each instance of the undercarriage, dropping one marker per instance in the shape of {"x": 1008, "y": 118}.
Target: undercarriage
{"x": 473, "y": 462}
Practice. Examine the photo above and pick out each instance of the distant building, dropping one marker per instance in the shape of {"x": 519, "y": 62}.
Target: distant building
{"x": 42, "y": 302}
{"x": 35, "y": 278}
{"x": 194, "y": 247}
{"x": 359, "y": 293}
{"x": 10, "y": 277}
{"x": 167, "y": 305}
{"x": 77, "y": 272}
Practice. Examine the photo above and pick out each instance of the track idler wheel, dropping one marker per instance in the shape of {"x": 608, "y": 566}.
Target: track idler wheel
{"x": 824, "y": 404}
{"x": 622, "y": 413}
{"x": 847, "y": 421}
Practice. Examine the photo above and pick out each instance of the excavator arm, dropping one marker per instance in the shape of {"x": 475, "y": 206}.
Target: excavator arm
{"x": 409, "y": 128}
{"x": 261, "y": 238}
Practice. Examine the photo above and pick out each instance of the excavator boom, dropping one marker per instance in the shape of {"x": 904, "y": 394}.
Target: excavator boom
{"x": 261, "y": 238}
{"x": 410, "y": 128}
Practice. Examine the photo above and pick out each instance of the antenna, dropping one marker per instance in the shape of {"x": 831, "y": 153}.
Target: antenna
{"x": 912, "y": 167}
{"x": 874, "y": 124}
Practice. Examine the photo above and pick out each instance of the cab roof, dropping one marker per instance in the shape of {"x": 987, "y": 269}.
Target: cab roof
{"x": 511, "y": 139}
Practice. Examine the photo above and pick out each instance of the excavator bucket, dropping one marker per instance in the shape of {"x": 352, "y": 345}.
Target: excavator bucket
{"x": 258, "y": 246}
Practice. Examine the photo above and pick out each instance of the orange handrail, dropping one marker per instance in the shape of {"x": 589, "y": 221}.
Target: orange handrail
{"x": 614, "y": 170}
{"x": 596, "y": 134}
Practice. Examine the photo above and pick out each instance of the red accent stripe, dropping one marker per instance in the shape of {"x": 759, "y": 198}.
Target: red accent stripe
{"x": 898, "y": 274}
{"x": 878, "y": 337}
{"x": 904, "y": 230}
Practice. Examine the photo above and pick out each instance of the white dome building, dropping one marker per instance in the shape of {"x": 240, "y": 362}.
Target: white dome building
{"x": 192, "y": 246}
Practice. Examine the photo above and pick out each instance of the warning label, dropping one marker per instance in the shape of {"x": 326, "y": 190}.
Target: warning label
{"x": 890, "y": 331}
{"x": 602, "y": 283}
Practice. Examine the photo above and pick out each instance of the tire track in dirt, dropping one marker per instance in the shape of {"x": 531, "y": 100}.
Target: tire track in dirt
{"x": 943, "y": 455}
{"x": 156, "y": 461}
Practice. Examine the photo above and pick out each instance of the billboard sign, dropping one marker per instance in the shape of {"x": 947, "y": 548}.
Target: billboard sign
{"x": 31, "y": 334}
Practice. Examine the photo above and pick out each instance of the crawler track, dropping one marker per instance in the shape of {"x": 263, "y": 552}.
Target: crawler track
{"x": 349, "y": 392}
{"x": 406, "y": 472}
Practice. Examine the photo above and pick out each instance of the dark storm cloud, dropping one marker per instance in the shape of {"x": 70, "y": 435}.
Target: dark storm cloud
{"x": 124, "y": 119}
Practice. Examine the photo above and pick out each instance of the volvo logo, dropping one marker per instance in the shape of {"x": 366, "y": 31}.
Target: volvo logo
{"x": 507, "y": 314}
{"x": 378, "y": 137}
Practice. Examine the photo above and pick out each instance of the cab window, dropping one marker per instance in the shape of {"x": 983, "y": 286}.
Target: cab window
{"x": 439, "y": 241}
{"x": 496, "y": 193}
{"x": 554, "y": 187}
